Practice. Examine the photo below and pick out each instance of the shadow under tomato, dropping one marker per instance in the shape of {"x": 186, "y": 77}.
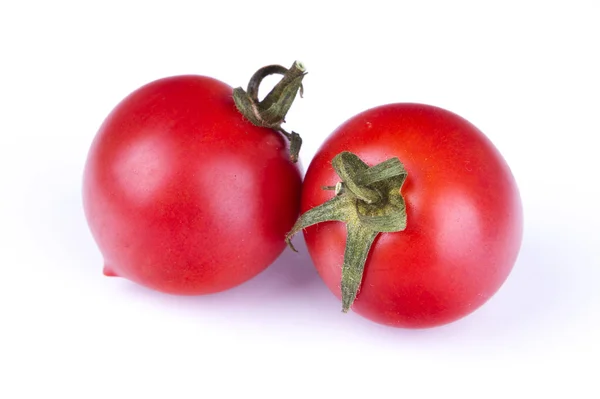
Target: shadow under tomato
{"x": 290, "y": 280}
{"x": 539, "y": 297}
{"x": 541, "y": 289}
{"x": 292, "y": 271}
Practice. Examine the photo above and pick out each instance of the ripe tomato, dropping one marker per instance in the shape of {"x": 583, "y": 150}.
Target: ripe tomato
{"x": 462, "y": 210}
{"x": 183, "y": 194}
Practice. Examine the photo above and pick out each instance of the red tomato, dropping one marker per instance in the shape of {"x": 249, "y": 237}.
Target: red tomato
{"x": 185, "y": 196}
{"x": 463, "y": 212}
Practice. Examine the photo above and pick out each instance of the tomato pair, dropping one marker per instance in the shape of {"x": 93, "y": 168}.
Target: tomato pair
{"x": 410, "y": 214}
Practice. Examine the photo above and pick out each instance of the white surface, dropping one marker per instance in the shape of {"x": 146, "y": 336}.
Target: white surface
{"x": 526, "y": 73}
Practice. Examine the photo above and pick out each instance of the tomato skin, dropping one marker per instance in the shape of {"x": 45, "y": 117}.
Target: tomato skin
{"x": 185, "y": 196}
{"x": 464, "y": 216}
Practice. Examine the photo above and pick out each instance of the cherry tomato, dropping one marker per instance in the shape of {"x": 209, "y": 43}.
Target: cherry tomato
{"x": 182, "y": 194}
{"x": 463, "y": 216}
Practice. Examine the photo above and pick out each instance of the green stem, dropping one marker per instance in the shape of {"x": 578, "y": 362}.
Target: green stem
{"x": 369, "y": 201}
{"x": 271, "y": 111}
{"x": 258, "y": 77}
{"x": 358, "y": 244}
{"x": 337, "y": 209}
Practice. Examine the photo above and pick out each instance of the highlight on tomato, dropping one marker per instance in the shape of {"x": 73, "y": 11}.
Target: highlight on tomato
{"x": 190, "y": 186}
{"x": 411, "y": 215}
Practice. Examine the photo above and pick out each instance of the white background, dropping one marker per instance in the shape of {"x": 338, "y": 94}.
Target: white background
{"x": 525, "y": 72}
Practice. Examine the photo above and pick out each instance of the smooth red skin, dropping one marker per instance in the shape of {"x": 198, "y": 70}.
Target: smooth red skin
{"x": 464, "y": 216}
{"x": 185, "y": 196}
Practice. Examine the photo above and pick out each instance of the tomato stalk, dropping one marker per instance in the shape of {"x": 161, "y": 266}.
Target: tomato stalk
{"x": 369, "y": 201}
{"x": 271, "y": 111}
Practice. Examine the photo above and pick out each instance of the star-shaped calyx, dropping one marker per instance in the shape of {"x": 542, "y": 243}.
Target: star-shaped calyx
{"x": 369, "y": 201}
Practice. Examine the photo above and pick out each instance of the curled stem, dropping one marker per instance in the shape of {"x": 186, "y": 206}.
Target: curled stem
{"x": 271, "y": 111}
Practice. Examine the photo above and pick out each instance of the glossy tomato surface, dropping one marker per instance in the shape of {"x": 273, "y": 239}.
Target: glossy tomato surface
{"x": 185, "y": 196}
{"x": 464, "y": 216}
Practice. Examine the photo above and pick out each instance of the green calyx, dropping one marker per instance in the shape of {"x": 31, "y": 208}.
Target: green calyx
{"x": 271, "y": 111}
{"x": 368, "y": 200}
